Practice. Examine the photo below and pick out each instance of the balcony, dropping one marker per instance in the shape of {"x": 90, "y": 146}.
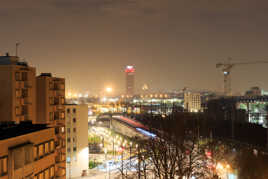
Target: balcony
{"x": 19, "y": 118}
{"x": 19, "y": 84}
{"x": 22, "y": 101}
{"x": 27, "y": 117}
{"x": 27, "y": 84}
{"x": 60, "y": 107}
{"x": 27, "y": 100}
{"x": 59, "y": 93}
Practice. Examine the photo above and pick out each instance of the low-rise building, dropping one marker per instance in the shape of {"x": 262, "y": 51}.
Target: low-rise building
{"x": 192, "y": 102}
{"x": 50, "y": 110}
{"x": 27, "y": 151}
{"x": 17, "y": 99}
{"x": 76, "y": 139}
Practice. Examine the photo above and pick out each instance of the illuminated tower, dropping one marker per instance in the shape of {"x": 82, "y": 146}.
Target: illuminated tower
{"x": 130, "y": 80}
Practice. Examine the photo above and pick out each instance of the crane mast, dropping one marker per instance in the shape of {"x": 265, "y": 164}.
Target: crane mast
{"x": 226, "y": 70}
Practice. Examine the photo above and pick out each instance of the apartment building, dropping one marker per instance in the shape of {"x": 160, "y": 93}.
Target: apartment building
{"x": 192, "y": 101}
{"x": 27, "y": 151}
{"x": 18, "y": 97}
{"x": 50, "y": 111}
{"x": 76, "y": 139}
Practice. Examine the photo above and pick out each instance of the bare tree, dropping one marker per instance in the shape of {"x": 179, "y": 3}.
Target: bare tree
{"x": 175, "y": 152}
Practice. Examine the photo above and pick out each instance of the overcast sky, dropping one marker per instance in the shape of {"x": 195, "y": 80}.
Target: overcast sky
{"x": 172, "y": 43}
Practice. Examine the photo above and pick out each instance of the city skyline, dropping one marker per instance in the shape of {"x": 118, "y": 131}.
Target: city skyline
{"x": 172, "y": 44}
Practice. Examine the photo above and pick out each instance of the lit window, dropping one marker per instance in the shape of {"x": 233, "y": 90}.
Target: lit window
{"x": 62, "y": 157}
{"x": 52, "y": 171}
{"x": 18, "y": 94}
{"x": 46, "y": 148}
{"x": 40, "y": 150}
{"x": 47, "y": 174}
{"x": 62, "y": 129}
{"x": 62, "y": 115}
{"x": 62, "y": 101}
{"x": 41, "y": 176}
{"x": 52, "y": 146}
{"x": 68, "y": 160}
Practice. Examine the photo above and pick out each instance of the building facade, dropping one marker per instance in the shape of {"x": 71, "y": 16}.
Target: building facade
{"x": 51, "y": 111}
{"x": 18, "y": 97}
{"x": 192, "y": 102}
{"x": 76, "y": 139}
{"x": 27, "y": 152}
{"x": 130, "y": 80}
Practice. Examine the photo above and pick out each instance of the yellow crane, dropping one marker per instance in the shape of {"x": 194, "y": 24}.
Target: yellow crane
{"x": 226, "y": 69}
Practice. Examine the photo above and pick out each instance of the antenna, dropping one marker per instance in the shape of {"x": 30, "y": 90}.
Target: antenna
{"x": 17, "y": 48}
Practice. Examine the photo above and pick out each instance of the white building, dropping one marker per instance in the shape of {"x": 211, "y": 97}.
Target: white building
{"x": 192, "y": 101}
{"x": 76, "y": 139}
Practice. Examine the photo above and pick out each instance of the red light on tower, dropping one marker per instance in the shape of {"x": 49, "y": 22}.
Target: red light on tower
{"x": 130, "y": 69}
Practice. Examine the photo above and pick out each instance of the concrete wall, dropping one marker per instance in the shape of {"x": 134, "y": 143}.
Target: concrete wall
{"x": 6, "y": 94}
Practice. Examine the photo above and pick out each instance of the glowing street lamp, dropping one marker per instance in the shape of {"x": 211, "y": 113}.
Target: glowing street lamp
{"x": 69, "y": 95}
{"x": 109, "y": 89}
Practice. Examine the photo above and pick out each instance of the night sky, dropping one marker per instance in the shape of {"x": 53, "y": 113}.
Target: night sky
{"x": 172, "y": 43}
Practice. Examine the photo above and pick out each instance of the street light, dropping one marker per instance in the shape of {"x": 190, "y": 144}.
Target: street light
{"x": 109, "y": 89}
{"x": 130, "y": 146}
{"x": 105, "y": 151}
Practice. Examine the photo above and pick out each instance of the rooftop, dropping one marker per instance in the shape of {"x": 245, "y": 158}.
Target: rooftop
{"x": 9, "y": 130}
{"x": 11, "y": 60}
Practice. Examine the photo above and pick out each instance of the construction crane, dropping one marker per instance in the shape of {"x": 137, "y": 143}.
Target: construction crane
{"x": 226, "y": 69}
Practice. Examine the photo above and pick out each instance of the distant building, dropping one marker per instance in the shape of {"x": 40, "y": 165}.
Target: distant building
{"x": 192, "y": 101}
{"x": 76, "y": 139}
{"x": 27, "y": 151}
{"x": 17, "y": 99}
{"x": 254, "y": 91}
{"x": 50, "y": 111}
{"x": 130, "y": 80}
{"x": 252, "y": 109}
